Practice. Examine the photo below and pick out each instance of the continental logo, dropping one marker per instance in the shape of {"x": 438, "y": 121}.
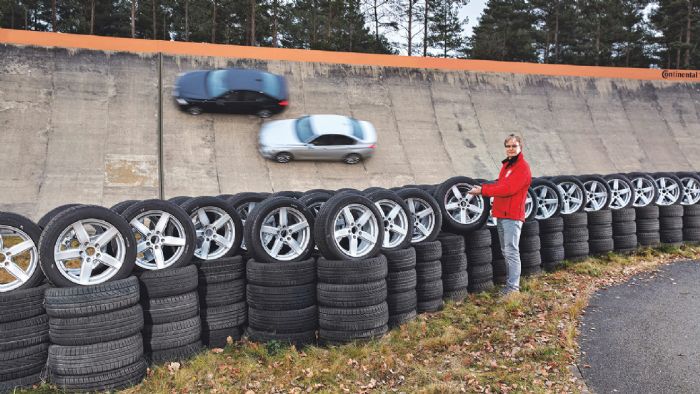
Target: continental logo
{"x": 672, "y": 74}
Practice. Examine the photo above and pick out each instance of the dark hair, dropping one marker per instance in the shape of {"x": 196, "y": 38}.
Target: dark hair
{"x": 514, "y": 137}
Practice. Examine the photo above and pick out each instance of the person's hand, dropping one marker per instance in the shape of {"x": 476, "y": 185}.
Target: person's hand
{"x": 475, "y": 191}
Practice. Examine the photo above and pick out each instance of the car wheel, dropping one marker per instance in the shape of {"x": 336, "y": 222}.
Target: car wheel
{"x": 19, "y": 238}
{"x": 352, "y": 158}
{"x": 283, "y": 157}
{"x": 194, "y": 110}
{"x": 264, "y": 113}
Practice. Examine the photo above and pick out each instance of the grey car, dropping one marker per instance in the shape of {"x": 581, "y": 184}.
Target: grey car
{"x": 318, "y": 137}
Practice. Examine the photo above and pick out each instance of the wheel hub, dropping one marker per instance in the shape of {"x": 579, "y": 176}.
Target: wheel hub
{"x": 90, "y": 251}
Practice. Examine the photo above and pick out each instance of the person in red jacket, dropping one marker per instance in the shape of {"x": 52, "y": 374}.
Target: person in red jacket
{"x": 509, "y": 194}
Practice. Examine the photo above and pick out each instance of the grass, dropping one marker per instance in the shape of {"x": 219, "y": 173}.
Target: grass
{"x": 524, "y": 343}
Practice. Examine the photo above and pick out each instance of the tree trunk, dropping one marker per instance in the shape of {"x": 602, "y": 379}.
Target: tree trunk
{"x": 12, "y": 15}
{"x": 678, "y": 49}
{"x": 187, "y": 20}
{"x": 314, "y": 24}
{"x": 556, "y": 33}
{"x": 425, "y": 29}
{"x": 597, "y": 43}
{"x": 92, "y": 16}
{"x": 54, "y": 26}
{"x": 329, "y": 22}
{"x": 251, "y": 39}
{"x": 275, "y": 4}
{"x": 213, "y": 24}
{"x": 410, "y": 27}
{"x": 133, "y": 18}
{"x": 687, "y": 36}
{"x": 376, "y": 21}
{"x": 153, "y": 8}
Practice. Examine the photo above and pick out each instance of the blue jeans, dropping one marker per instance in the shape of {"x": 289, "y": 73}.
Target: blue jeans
{"x": 509, "y": 235}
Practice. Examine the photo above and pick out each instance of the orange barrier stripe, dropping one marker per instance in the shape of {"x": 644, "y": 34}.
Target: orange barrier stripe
{"x": 46, "y": 39}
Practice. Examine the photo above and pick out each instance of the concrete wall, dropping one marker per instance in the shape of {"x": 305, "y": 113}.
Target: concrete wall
{"x": 83, "y": 126}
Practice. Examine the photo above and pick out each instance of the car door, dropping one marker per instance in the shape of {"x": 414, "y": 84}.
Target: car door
{"x": 320, "y": 148}
{"x": 228, "y": 102}
{"x": 340, "y": 146}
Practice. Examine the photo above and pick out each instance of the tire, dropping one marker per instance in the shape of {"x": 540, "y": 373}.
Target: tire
{"x": 602, "y": 217}
{"x": 279, "y": 275}
{"x": 598, "y": 192}
{"x": 624, "y": 215}
{"x": 88, "y": 330}
{"x": 648, "y": 225}
{"x": 573, "y": 194}
{"x": 398, "y": 220}
{"x": 554, "y": 254}
{"x": 670, "y": 211}
{"x": 97, "y": 358}
{"x": 427, "y": 291}
{"x": 172, "y": 335}
{"x": 546, "y": 192}
{"x": 23, "y": 333}
{"x": 576, "y": 234}
{"x": 52, "y": 213}
{"x": 194, "y": 110}
{"x": 576, "y": 250}
{"x": 332, "y": 337}
{"x": 281, "y": 298}
{"x": 22, "y": 304}
{"x": 284, "y": 157}
{"x": 402, "y": 302}
{"x": 314, "y": 201}
{"x": 691, "y": 210}
{"x": 11, "y": 385}
{"x": 428, "y": 271}
{"x": 604, "y": 231}
{"x": 428, "y": 251}
{"x": 180, "y": 353}
{"x": 551, "y": 225}
{"x": 282, "y": 322}
{"x": 691, "y": 188}
{"x": 402, "y": 281}
{"x": 478, "y": 239}
{"x": 122, "y": 206}
{"x": 219, "y": 338}
{"x": 602, "y": 246}
{"x": 401, "y": 260}
{"x": 21, "y": 259}
{"x": 224, "y": 316}
{"x": 204, "y": 210}
{"x": 351, "y": 296}
{"x": 529, "y": 229}
{"x": 551, "y": 240}
{"x": 455, "y": 281}
{"x": 244, "y": 203}
{"x": 344, "y": 272}
{"x": 646, "y": 191}
{"x": 179, "y": 199}
{"x": 530, "y": 244}
{"x": 276, "y": 213}
{"x": 401, "y": 318}
{"x": 647, "y": 212}
{"x": 671, "y": 237}
{"x": 621, "y": 191}
{"x": 453, "y": 263}
{"x": 670, "y": 188}
{"x": 298, "y": 339}
{"x": 670, "y": 223}
{"x": 530, "y": 259}
{"x": 170, "y": 309}
{"x": 625, "y": 242}
{"x": 264, "y": 113}
{"x": 155, "y": 236}
{"x": 426, "y": 211}
{"x": 333, "y": 213}
{"x": 90, "y": 300}
{"x": 352, "y": 158}
{"x": 122, "y": 245}
{"x": 168, "y": 282}
{"x": 691, "y": 234}
{"x": 221, "y": 270}
{"x": 624, "y": 228}
{"x": 479, "y": 256}
{"x": 481, "y": 287}
{"x": 575, "y": 220}
{"x": 454, "y": 201}
{"x": 120, "y": 378}
{"x": 353, "y": 319}
{"x": 452, "y": 244}
{"x": 430, "y": 305}
{"x": 454, "y": 295}
{"x": 649, "y": 239}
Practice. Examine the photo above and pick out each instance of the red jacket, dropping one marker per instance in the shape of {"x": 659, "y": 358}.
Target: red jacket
{"x": 510, "y": 191}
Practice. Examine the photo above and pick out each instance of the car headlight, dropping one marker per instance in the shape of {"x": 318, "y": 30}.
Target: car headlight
{"x": 181, "y": 101}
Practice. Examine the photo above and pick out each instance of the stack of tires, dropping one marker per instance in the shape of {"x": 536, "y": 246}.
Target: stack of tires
{"x": 600, "y": 232}
{"x": 498, "y": 261}
{"x": 429, "y": 276}
{"x": 282, "y": 301}
{"x": 170, "y": 305}
{"x": 25, "y": 338}
{"x": 691, "y": 223}
{"x": 647, "y": 222}
{"x": 222, "y": 300}
{"x": 477, "y": 246}
{"x": 671, "y": 224}
{"x": 576, "y": 236}
{"x": 529, "y": 247}
{"x": 352, "y": 288}
{"x": 455, "y": 279}
{"x": 552, "y": 242}
{"x": 624, "y": 228}
{"x": 401, "y": 280}
{"x": 95, "y": 334}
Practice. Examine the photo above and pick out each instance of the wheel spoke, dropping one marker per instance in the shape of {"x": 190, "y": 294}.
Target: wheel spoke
{"x": 110, "y": 261}
{"x": 456, "y": 192}
{"x": 204, "y": 250}
{"x": 160, "y": 259}
{"x": 276, "y": 247}
{"x": 162, "y": 222}
{"x": 283, "y": 216}
{"x": 80, "y": 233}
{"x": 427, "y": 211}
{"x": 85, "y": 272}
{"x": 141, "y": 246}
{"x": 1, "y": 242}
{"x": 17, "y": 272}
{"x": 575, "y": 200}
{"x": 394, "y": 211}
{"x": 399, "y": 230}
{"x": 348, "y": 216}
{"x": 68, "y": 254}
{"x": 221, "y": 241}
{"x": 203, "y": 218}
{"x": 268, "y": 229}
{"x": 140, "y": 227}
{"x": 342, "y": 233}
{"x": 293, "y": 229}
{"x": 174, "y": 241}
{"x": 367, "y": 236}
{"x": 422, "y": 229}
{"x": 451, "y": 206}
{"x": 295, "y": 246}
{"x": 20, "y": 247}
{"x": 353, "y": 246}
{"x": 411, "y": 205}
{"x": 364, "y": 218}
{"x": 220, "y": 222}
{"x": 107, "y": 236}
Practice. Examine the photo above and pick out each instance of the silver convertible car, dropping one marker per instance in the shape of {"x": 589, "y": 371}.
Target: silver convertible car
{"x": 318, "y": 137}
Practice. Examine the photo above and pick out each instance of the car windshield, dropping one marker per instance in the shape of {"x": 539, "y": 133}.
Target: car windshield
{"x": 356, "y": 129}
{"x": 304, "y": 131}
{"x": 216, "y": 83}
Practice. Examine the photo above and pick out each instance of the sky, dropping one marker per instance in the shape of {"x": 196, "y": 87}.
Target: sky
{"x": 472, "y": 11}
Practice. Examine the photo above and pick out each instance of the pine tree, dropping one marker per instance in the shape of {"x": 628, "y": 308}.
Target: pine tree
{"x": 505, "y": 32}
{"x": 445, "y": 30}
{"x": 678, "y": 21}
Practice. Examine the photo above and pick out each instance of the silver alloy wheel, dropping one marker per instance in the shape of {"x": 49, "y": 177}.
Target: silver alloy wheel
{"x": 529, "y": 206}
{"x": 160, "y": 239}
{"x": 547, "y": 202}
{"x": 355, "y": 230}
{"x": 89, "y": 252}
{"x": 644, "y": 190}
{"x": 17, "y": 250}
{"x": 572, "y": 197}
{"x": 462, "y": 207}
{"x": 597, "y": 195}
{"x": 285, "y": 233}
{"x": 621, "y": 193}
{"x": 315, "y": 207}
{"x": 213, "y": 226}
{"x": 669, "y": 191}
{"x": 423, "y": 218}
{"x": 244, "y": 211}
{"x": 691, "y": 191}
{"x": 396, "y": 224}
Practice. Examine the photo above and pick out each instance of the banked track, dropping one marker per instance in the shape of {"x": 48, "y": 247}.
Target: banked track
{"x": 98, "y": 125}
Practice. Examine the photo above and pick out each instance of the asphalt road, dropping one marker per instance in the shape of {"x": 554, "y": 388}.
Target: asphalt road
{"x": 643, "y": 336}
